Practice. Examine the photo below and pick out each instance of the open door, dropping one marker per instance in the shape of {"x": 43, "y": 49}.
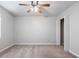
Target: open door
{"x": 62, "y": 32}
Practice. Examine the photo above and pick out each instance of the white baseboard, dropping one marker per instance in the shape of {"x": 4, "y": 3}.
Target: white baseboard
{"x": 6, "y": 47}
{"x": 35, "y": 43}
{"x": 57, "y": 43}
{"x": 74, "y": 53}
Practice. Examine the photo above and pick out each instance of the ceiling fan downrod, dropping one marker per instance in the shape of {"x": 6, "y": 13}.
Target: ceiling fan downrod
{"x": 34, "y": 3}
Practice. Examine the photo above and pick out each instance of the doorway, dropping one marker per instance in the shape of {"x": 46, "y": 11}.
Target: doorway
{"x": 62, "y": 32}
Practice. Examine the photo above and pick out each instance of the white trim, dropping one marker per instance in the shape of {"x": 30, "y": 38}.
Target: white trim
{"x": 35, "y": 43}
{"x": 6, "y": 47}
{"x": 74, "y": 53}
{"x": 57, "y": 43}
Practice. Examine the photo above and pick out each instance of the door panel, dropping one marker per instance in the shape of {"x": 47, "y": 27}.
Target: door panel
{"x": 62, "y": 32}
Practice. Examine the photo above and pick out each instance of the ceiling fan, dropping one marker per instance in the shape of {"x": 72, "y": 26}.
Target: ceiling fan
{"x": 35, "y": 6}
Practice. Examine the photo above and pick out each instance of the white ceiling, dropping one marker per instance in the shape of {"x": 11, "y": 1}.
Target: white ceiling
{"x": 56, "y": 7}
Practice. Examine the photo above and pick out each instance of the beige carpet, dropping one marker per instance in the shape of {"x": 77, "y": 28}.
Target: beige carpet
{"x": 35, "y": 52}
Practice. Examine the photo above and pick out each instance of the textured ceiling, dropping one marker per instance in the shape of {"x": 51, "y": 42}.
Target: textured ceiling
{"x": 56, "y": 7}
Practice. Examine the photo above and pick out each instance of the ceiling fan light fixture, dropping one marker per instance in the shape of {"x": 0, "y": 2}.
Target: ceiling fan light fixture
{"x": 36, "y": 9}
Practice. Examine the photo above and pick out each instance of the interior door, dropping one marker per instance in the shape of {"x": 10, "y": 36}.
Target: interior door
{"x": 62, "y": 32}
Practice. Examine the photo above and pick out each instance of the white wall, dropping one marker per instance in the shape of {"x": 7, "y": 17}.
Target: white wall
{"x": 74, "y": 31}
{"x": 35, "y": 29}
{"x": 71, "y": 34}
{"x": 0, "y": 25}
{"x": 6, "y": 29}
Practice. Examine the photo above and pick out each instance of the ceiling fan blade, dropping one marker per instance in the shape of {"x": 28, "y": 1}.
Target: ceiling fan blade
{"x": 43, "y": 12}
{"x": 29, "y": 10}
{"x": 23, "y": 4}
{"x": 44, "y": 5}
